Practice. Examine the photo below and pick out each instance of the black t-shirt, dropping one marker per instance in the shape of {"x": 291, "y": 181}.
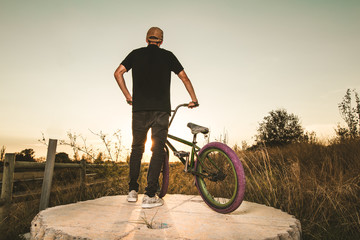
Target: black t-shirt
{"x": 151, "y": 71}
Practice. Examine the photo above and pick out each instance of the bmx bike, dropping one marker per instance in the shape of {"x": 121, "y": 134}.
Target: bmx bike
{"x": 219, "y": 174}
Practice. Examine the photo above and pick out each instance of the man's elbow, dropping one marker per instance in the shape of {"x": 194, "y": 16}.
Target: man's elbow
{"x": 119, "y": 71}
{"x": 116, "y": 74}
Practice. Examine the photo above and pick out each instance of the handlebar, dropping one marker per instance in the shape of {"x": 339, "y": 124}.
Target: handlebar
{"x": 177, "y": 108}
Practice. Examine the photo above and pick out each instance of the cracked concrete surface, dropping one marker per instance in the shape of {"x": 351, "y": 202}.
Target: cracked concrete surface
{"x": 181, "y": 217}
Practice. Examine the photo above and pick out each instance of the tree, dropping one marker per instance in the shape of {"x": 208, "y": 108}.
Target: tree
{"x": 27, "y": 155}
{"x": 351, "y": 116}
{"x": 62, "y": 157}
{"x": 279, "y": 128}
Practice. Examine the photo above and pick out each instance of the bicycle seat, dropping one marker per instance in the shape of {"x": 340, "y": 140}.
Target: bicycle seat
{"x": 195, "y": 129}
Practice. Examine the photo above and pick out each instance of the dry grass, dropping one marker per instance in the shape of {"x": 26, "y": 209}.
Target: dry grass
{"x": 319, "y": 185}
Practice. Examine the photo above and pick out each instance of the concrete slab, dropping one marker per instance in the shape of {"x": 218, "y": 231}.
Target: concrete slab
{"x": 181, "y": 217}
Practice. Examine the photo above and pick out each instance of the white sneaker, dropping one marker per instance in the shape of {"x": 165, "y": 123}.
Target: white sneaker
{"x": 151, "y": 202}
{"x": 133, "y": 196}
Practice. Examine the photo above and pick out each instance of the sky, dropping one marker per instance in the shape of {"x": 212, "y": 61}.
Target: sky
{"x": 244, "y": 58}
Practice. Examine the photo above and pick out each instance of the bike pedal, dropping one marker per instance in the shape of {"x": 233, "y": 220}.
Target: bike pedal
{"x": 181, "y": 154}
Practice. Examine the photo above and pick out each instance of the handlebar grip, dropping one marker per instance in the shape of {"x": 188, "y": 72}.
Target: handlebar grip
{"x": 196, "y": 104}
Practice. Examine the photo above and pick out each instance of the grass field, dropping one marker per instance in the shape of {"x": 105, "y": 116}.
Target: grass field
{"x": 318, "y": 184}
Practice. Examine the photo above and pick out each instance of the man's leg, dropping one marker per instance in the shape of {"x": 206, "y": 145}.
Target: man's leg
{"x": 159, "y": 132}
{"x": 139, "y": 131}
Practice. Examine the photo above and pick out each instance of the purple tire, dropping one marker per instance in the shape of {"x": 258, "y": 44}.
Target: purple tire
{"x": 223, "y": 190}
{"x": 164, "y": 175}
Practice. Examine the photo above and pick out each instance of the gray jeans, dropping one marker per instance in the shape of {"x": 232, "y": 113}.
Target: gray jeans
{"x": 141, "y": 123}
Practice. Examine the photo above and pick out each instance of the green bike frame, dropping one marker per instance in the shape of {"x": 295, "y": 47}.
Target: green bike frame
{"x": 194, "y": 149}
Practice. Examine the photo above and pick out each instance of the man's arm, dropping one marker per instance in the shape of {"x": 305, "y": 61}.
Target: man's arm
{"x": 189, "y": 87}
{"x": 119, "y": 76}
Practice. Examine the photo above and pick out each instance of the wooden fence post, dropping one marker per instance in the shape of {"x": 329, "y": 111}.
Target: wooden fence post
{"x": 48, "y": 175}
{"x": 6, "y": 190}
{"x": 82, "y": 178}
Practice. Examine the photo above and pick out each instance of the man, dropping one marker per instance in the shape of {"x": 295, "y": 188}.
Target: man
{"x": 151, "y": 71}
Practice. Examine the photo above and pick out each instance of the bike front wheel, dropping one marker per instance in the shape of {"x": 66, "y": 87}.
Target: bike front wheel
{"x": 219, "y": 177}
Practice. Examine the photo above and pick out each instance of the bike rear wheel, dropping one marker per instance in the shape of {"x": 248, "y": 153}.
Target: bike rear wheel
{"x": 220, "y": 177}
{"x": 164, "y": 176}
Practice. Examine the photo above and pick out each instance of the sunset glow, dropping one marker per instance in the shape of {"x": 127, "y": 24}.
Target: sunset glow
{"x": 244, "y": 58}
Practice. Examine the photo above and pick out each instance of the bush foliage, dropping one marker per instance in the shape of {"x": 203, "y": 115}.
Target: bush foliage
{"x": 279, "y": 128}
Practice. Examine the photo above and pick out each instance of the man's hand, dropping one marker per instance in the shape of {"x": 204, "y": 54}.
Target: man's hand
{"x": 129, "y": 100}
{"x": 193, "y": 104}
